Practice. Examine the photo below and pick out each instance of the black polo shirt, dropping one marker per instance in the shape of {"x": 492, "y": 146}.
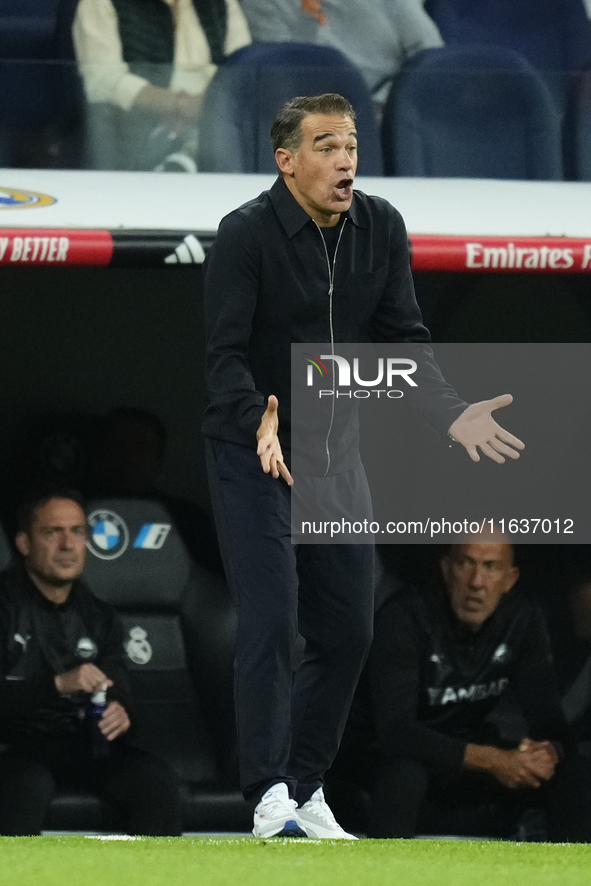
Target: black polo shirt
{"x": 267, "y": 283}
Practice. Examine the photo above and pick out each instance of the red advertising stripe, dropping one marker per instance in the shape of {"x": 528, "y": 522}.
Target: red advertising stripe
{"x": 50, "y": 246}
{"x": 550, "y": 255}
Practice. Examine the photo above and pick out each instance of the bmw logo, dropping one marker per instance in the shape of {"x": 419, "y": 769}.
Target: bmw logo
{"x": 109, "y": 536}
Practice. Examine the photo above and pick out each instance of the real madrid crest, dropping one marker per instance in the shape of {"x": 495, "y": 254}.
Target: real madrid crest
{"x": 16, "y": 198}
{"x": 137, "y": 647}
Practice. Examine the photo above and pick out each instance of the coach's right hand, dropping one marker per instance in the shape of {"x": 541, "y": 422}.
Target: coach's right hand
{"x": 269, "y": 448}
{"x": 85, "y": 678}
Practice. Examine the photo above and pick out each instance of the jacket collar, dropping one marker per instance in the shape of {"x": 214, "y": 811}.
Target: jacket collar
{"x": 25, "y": 581}
{"x": 293, "y": 217}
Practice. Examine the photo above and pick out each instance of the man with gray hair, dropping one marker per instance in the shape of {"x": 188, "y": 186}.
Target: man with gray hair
{"x": 422, "y": 736}
{"x": 310, "y": 260}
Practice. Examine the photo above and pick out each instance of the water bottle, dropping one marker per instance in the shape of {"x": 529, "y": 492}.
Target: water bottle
{"x": 99, "y": 746}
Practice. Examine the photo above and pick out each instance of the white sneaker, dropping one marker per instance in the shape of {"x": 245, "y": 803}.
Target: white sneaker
{"x": 275, "y": 815}
{"x": 317, "y": 819}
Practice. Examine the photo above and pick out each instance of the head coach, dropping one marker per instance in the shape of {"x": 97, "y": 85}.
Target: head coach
{"x": 310, "y": 260}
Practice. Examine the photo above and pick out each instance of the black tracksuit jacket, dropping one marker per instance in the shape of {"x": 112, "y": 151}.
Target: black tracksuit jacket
{"x": 431, "y": 684}
{"x": 267, "y": 285}
{"x": 39, "y": 639}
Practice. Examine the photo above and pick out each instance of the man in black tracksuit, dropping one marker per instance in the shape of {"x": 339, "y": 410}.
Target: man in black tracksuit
{"x": 420, "y": 734}
{"x": 58, "y": 646}
{"x": 307, "y": 261}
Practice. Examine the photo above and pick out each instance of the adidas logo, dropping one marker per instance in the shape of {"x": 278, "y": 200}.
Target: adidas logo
{"x": 189, "y": 252}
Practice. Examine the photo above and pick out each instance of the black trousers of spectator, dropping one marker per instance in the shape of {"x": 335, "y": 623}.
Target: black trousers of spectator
{"x": 142, "y": 788}
{"x": 408, "y": 798}
{"x": 289, "y": 726}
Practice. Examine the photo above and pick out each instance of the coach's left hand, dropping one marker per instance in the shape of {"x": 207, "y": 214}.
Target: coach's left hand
{"x": 476, "y": 429}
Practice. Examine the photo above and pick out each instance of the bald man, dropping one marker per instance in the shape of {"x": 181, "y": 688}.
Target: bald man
{"x": 441, "y": 661}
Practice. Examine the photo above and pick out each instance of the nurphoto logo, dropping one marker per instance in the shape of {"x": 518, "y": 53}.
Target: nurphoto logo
{"x": 389, "y": 371}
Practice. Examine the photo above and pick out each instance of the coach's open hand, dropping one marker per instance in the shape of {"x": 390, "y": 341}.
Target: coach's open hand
{"x": 476, "y": 427}
{"x": 269, "y": 449}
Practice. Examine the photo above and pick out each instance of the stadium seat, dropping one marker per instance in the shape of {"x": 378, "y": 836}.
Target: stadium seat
{"x": 29, "y": 93}
{"x": 179, "y": 627}
{"x": 250, "y": 87}
{"x": 6, "y": 551}
{"x": 471, "y": 113}
{"x": 579, "y": 129}
{"x": 552, "y": 36}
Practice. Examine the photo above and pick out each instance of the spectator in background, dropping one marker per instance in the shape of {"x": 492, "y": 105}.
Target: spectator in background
{"x": 419, "y": 737}
{"x": 378, "y": 37}
{"x": 128, "y": 454}
{"x": 151, "y": 61}
{"x": 127, "y": 461}
{"x": 58, "y": 646}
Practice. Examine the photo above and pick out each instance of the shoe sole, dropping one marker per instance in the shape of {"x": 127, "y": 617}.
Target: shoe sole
{"x": 326, "y": 834}
{"x": 289, "y": 829}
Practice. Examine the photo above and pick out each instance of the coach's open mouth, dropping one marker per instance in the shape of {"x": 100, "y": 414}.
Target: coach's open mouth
{"x": 344, "y": 188}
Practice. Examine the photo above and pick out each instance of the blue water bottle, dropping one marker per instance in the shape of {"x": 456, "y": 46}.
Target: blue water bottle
{"x": 99, "y": 746}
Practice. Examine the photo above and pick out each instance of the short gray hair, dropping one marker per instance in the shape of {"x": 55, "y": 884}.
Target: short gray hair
{"x": 286, "y": 131}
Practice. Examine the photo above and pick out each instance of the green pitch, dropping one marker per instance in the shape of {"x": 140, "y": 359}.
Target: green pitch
{"x": 80, "y": 861}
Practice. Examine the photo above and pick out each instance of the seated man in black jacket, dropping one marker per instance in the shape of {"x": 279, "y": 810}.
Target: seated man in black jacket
{"x": 420, "y": 737}
{"x": 59, "y": 646}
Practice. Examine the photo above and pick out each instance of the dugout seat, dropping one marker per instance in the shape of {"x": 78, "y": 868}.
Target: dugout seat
{"x": 251, "y": 86}
{"x": 178, "y": 637}
{"x": 471, "y": 113}
{"x": 6, "y": 550}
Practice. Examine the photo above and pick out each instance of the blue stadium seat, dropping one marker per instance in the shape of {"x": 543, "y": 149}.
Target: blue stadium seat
{"x": 27, "y": 28}
{"x": 250, "y": 87}
{"x": 29, "y": 87}
{"x": 580, "y": 129}
{"x": 471, "y": 113}
{"x": 553, "y": 35}
{"x": 179, "y": 627}
{"x": 27, "y": 40}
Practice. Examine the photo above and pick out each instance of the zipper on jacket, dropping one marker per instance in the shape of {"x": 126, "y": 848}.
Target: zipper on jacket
{"x": 330, "y": 291}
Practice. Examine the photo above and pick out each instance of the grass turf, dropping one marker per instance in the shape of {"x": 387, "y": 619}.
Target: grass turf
{"x": 79, "y": 861}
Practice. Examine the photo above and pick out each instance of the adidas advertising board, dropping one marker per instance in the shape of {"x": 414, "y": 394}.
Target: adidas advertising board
{"x": 54, "y": 247}
{"x": 121, "y": 249}
{"x": 53, "y": 218}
